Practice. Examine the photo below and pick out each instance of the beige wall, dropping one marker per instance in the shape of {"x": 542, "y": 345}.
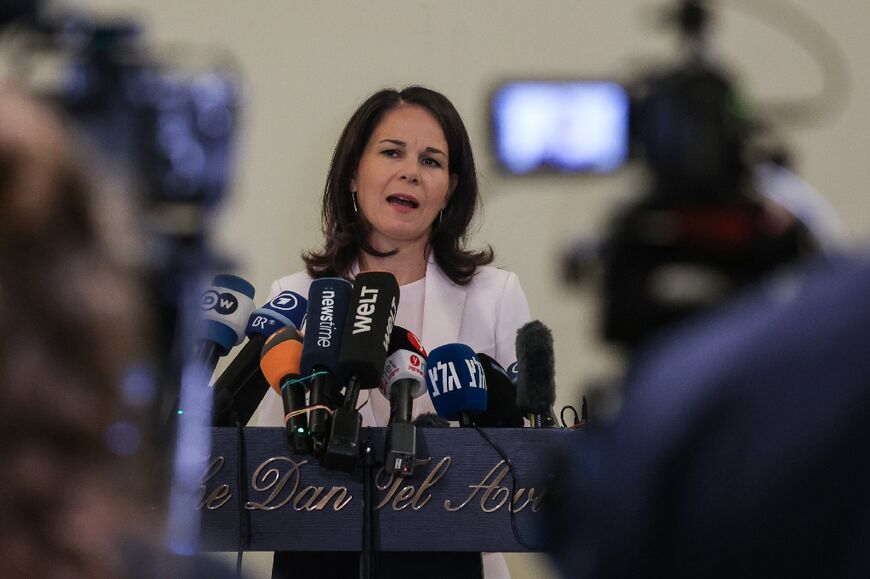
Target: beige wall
{"x": 308, "y": 64}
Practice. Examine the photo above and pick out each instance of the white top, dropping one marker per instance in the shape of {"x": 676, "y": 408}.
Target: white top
{"x": 485, "y": 315}
{"x": 410, "y": 314}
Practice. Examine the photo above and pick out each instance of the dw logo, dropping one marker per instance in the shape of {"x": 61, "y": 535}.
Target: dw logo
{"x": 222, "y": 303}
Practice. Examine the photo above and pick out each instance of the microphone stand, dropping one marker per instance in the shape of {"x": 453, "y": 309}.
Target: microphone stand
{"x": 242, "y": 482}
{"x": 366, "y": 557}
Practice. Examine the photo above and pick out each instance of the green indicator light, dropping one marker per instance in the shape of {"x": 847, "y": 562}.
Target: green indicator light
{"x": 300, "y": 430}
{"x": 180, "y": 411}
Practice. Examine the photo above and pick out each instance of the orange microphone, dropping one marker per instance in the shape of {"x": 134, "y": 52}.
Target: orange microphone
{"x": 279, "y": 362}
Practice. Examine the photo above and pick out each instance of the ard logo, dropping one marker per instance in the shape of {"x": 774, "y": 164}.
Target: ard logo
{"x": 285, "y": 301}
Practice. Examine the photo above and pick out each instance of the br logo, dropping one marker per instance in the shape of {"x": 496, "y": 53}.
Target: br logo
{"x": 222, "y": 303}
{"x": 261, "y": 322}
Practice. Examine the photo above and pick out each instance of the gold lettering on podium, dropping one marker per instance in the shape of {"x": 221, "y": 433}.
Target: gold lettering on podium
{"x": 494, "y": 496}
{"x": 533, "y": 498}
{"x": 268, "y": 477}
{"x": 342, "y": 498}
{"x": 281, "y": 478}
{"x": 409, "y": 495}
{"x": 538, "y": 501}
{"x": 401, "y": 501}
{"x": 340, "y": 493}
{"x": 219, "y": 496}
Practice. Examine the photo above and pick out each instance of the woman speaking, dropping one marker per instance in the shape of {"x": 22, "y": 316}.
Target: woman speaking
{"x": 399, "y": 197}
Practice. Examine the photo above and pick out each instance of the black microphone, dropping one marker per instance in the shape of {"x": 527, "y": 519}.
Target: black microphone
{"x": 226, "y": 306}
{"x": 241, "y": 387}
{"x": 536, "y": 385}
{"x": 364, "y": 346}
{"x": 404, "y": 379}
{"x": 501, "y": 400}
{"x": 280, "y": 365}
{"x": 328, "y": 302}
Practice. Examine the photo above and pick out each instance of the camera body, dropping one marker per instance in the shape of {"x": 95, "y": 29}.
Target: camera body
{"x": 685, "y": 124}
{"x": 170, "y": 127}
{"x": 699, "y": 230}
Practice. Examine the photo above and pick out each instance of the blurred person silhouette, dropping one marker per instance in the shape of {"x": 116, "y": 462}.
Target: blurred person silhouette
{"x": 69, "y": 311}
{"x": 741, "y": 447}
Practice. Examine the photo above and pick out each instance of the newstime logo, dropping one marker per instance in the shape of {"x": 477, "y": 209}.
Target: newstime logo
{"x": 326, "y": 323}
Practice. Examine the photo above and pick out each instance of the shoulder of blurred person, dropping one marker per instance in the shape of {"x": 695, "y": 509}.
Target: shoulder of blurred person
{"x": 66, "y": 306}
{"x": 143, "y": 560}
{"x": 739, "y": 448}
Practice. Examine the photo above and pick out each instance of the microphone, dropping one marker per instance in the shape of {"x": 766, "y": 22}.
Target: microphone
{"x": 456, "y": 383}
{"x": 241, "y": 387}
{"x": 501, "y": 405}
{"x": 364, "y": 346}
{"x": 328, "y": 302}
{"x": 280, "y": 364}
{"x": 403, "y": 379}
{"x": 536, "y": 385}
{"x": 225, "y": 307}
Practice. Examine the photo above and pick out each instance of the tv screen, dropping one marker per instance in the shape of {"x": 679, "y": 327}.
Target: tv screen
{"x": 579, "y": 126}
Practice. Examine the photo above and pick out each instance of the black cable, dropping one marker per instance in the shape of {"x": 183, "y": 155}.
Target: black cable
{"x": 513, "y": 496}
{"x": 366, "y": 559}
{"x": 242, "y": 495}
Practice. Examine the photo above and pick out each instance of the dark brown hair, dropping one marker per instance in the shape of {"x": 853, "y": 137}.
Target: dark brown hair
{"x": 346, "y": 232}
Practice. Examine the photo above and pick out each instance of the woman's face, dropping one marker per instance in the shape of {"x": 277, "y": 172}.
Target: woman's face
{"x": 403, "y": 180}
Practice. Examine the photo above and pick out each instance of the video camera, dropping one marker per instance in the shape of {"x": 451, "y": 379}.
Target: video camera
{"x": 701, "y": 229}
{"x": 164, "y": 134}
{"x": 172, "y": 128}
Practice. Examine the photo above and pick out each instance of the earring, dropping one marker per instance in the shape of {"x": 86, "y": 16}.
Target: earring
{"x": 353, "y": 200}
{"x": 440, "y": 218}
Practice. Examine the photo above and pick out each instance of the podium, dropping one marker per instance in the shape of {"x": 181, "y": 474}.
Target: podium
{"x": 456, "y": 500}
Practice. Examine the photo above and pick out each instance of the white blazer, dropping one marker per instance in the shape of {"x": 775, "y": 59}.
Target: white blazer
{"x": 485, "y": 315}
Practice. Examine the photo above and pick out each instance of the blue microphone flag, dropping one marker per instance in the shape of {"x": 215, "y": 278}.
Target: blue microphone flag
{"x": 286, "y": 309}
{"x": 456, "y": 381}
